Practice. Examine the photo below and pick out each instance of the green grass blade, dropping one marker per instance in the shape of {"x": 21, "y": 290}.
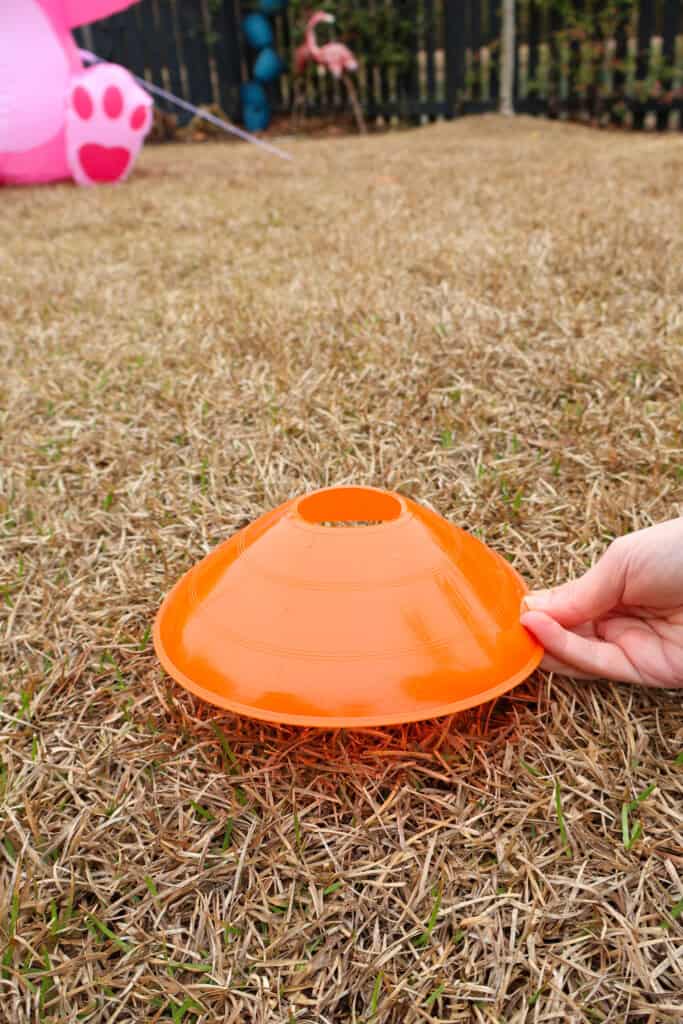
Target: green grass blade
{"x": 228, "y": 755}
{"x": 625, "y": 825}
{"x": 374, "y": 1000}
{"x": 151, "y": 885}
{"x": 534, "y": 772}
{"x": 642, "y": 796}
{"x": 674, "y": 913}
{"x": 203, "y": 812}
{"x": 433, "y": 996}
{"x": 422, "y": 940}
{"x": 196, "y": 968}
{"x": 14, "y": 915}
{"x": 227, "y": 835}
{"x": 125, "y": 947}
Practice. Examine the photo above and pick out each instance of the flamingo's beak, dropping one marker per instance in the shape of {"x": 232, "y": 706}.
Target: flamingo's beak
{"x": 329, "y": 17}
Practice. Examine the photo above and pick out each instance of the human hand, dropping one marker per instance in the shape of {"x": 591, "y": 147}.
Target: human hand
{"x": 623, "y": 619}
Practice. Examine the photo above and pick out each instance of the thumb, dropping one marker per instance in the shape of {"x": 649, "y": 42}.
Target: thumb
{"x": 586, "y": 598}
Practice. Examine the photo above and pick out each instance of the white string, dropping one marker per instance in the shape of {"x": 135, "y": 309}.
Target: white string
{"x": 91, "y": 58}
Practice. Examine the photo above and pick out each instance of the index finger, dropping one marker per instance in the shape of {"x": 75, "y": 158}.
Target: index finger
{"x": 596, "y": 658}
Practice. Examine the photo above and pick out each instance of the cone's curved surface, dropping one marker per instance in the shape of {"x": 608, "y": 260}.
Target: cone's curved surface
{"x": 347, "y": 607}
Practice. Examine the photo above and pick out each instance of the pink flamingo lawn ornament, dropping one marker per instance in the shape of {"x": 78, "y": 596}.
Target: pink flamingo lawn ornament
{"x": 336, "y": 58}
{"x": 302, "y": 58}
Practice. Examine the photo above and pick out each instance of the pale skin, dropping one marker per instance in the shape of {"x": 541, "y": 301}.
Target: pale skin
{"x": 621, "y": 620}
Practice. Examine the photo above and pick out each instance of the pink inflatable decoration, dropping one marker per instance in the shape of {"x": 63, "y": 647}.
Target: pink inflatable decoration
{"x": 58, "y": 120}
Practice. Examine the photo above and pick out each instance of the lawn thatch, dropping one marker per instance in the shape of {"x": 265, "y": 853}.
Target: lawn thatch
{"x": 487, "y": 316}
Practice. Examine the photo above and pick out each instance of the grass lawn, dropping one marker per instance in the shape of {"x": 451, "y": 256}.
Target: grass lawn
{"x": 484, "y": 315}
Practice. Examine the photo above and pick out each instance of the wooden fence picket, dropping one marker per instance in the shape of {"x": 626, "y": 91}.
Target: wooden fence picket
{"x": 595, "y": 60}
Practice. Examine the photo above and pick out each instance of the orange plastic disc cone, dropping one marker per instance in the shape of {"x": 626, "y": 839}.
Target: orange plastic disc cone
{"x": 348, "y": 607}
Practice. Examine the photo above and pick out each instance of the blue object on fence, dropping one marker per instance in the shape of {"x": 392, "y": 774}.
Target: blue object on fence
{"x": 253, "y": 94}
{"x": 272, "y": 6}
{"x": 255, "y": 107}
{"x": 268, "y": 65}
{"x": 257, "y": 31}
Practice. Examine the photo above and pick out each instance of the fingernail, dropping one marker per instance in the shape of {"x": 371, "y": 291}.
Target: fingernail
{"x": 536, "y": 601}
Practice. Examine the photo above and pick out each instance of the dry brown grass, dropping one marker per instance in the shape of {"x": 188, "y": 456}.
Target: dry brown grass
{"x": 486, "y": 316}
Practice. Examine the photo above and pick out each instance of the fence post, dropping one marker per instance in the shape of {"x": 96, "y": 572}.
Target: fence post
{"x": 430, "y": 47}
{"x": 193, "y": 32}
{"x": 494, "y": 51}
{"x": 556, "y": 27}
{"x": 507, "y": 59}
{"x": 575, "y": 61}
{"x": 646, "y": 16}
{"x": 454, "y": 12}
{"x": 672, "y": 13}
{"x": 228, "y": 56}
{"x": 475, "y": 52}
{"x": 408, "y": 84}
{"x": 617, "y": 99}
{"x": 534, "y": 90}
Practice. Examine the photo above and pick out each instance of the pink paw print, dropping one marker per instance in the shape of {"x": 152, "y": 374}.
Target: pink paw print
{"x": 107, "y": 118}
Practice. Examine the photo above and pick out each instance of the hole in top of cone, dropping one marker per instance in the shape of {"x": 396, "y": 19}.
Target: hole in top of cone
{"x": 349, "y": 506}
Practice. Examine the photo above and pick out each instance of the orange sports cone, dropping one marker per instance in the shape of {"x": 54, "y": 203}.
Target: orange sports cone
{"x": 392, "y": 615}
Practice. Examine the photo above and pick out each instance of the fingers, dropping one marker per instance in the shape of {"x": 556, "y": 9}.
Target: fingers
{"x": 591, "y": 657}
{"x": 550, "y": 664}
{"x": 613, "y": 629}
{"x": 588, "y": 597}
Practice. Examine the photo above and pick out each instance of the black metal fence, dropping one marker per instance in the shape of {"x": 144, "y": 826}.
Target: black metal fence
{"x": 618, "y": 61}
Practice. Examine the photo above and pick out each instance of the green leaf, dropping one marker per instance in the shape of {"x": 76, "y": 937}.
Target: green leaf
{"x": 642, "y": 796}
{"x": 433, "y": 996}
{"x": 374, "y": 1000}
{"x": 227, "y": 835}
{"x": 6, "y": 961}
{"x": 675, "y": 913}
{"x": 625, "y": 826}
{"x": 204, "y": 476}
{"x": 151, "y": 885}
{"x": 196, "y": 968}
{"x": 631, "y": 834}
{"x": 422, "y": 940}
{"x": 179, "y": 1010}
{"x": 225, "y": 746}
{"x": 202, "y": 812}
{"x": 125, "y": 947}
{"x": 14, "y": 914}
